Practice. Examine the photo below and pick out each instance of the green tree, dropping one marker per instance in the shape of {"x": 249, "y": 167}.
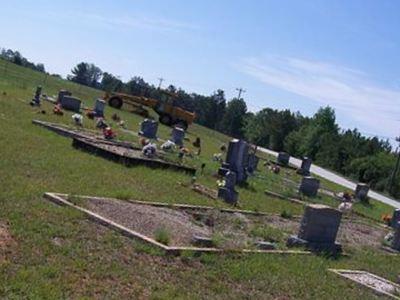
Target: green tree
{"x": 110, "y": 83}
{"x": 269, "y": 127}
{"x": 233, "y": 121}
{"x": 80, "y": 74}
{"x": 86, "y": 74}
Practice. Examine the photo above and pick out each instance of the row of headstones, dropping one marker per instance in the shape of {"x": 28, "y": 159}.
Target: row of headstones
{"x": 239, "y": 163}
{"x": 309, "y": 185}
{"x": 149, "y": 128}
{"x": 68, "y": 102}
{"x": 319, "y": 227}
{"x": 283, "y": 159}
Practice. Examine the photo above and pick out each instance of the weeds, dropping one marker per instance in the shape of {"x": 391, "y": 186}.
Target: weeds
{"x": 162, "y": 236}
{"x": 286, "y": 214}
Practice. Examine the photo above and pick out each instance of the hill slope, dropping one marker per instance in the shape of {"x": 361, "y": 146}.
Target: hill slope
{"x": 50, "y": 252}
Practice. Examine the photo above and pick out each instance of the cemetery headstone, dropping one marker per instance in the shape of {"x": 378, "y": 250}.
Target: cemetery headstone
{"x": 177, "y": 135}
{"x": 71, "y": 103}
{"x": 395, "y": 218}
{"x": 305, "y": 166}
{"x": 63, "y": 93}
{"x": 396, "y": 238}
{"x": 237, "y": 159}
{"x": 36, "y": 97}
{"x": 309, "y": 186}
{"x": 148, "y": 129}
{"x": 318, "y": 229}
{"x": 227, "y": 192}
{"x": 99, "y": 107}
{"x": 361, "y": 192}
{"x": 283, "y": 158}
{"x": 253, "y": 163}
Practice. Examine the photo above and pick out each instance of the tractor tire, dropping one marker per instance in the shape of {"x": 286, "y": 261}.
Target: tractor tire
{"x": 115, "y": 102}
{"x": 165, "y": 119}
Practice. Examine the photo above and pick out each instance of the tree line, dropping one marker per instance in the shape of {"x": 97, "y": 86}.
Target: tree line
{"x": 17, "y": 58}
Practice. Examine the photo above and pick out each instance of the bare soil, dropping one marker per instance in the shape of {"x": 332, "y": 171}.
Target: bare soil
{"x": 353, "y": 233}
{"x": 231, "y": 230}
{"x": 148, "y": 219}
{"x": 6, "y": 241}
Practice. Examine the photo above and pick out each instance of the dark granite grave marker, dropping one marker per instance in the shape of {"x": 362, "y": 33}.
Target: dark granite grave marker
{"x": 148, "y": 129}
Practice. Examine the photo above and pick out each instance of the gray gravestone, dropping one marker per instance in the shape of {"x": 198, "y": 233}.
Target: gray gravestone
{"x": 230, "y": 180}
{"x": 99, "y": 107}
{"x": 177, "y": 135}
{"x": 395, "y": 218}
{"x": 305, "y": 166}
{"x": 63, "y": 93}
{"x": 38, "y": 92}
{"x": 71, "y": 103}
{"x": 318, "y": 229}
{"x": 237, "y": 158}
{"x": 320, "y": 224}
{"x": 148, "y": 129}
{"x": 283, "y": 158}
{"x": 227, "y": 192}
{"x": 396, "y": 238}
{"x": 253, "y": 163}
{"x": 361, "y": 192}
{"x": 309, "y": 186}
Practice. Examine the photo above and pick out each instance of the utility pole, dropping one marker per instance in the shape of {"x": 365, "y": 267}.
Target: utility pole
{"x": 396, "y": 168}
{"x": 160, "y": 82}
{"x": 240, "y": 90}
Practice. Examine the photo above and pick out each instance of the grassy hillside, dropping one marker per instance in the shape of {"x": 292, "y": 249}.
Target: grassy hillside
{"x": 55, "y": 252}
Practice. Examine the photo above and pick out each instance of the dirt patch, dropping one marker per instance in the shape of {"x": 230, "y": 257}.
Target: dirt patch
{"x": 179, "y": 225}
{"x": 358, "y": 234}
{"x": 228, "y": 230}
{"x": 354, "y": 233}
{"x": 6, "y": 241}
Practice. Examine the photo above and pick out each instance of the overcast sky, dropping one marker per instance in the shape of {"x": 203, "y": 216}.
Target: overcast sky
{"x": 286, "y": 54}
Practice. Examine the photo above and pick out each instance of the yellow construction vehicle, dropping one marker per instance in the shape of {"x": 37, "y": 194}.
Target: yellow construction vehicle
{"x": 167, "y": 109}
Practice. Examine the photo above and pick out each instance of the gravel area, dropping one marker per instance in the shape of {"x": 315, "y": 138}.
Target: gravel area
{"x": 147, "y": 219}
{"x": 230, "y": 230}
{"x": 374, "y": 282}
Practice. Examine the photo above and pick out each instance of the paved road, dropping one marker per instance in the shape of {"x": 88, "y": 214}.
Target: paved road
{"x": 336, "y": 179}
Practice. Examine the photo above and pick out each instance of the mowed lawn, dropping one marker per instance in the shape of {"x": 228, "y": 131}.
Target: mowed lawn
{"x": 54, "y": 252}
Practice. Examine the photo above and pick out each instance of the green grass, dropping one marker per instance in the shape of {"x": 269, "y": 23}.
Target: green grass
{"x": 90, "y": 261}
{"x": 162, "y": 236}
